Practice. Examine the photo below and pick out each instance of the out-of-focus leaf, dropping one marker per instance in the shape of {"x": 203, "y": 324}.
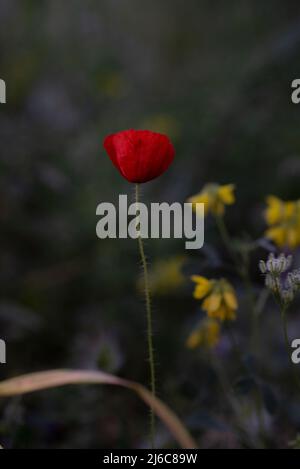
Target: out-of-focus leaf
{"x": 53, "y": 378}
{"x": 250, "y": 363}
{"x": 266, "y": 244}
{"x": 244, "y": 245}
{"x": 245, "y": 385}
{"x": 270, "y": 399}
{"x": 295, "y": 444}
{"x": 212, "y": 255}
{"x": 205, "y": 421}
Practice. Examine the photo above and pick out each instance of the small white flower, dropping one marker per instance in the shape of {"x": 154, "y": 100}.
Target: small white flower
{"x": 278, "y": 265}
{"x": 293, "y": 280}
{"x": 263, "y": 267}
{"x": 272, "y": 283}
{"x": 273, "y": 269}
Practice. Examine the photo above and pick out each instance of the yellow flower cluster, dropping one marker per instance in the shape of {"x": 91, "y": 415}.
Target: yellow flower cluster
{"x": 283, "y": 219}
{"x": 220, "y": 304}
{"x": 206, "y": 334}
{"x": 219, "y": 297}
{"x": 214, "y": 197}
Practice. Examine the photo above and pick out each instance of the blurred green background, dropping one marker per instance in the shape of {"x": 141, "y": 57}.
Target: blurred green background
{"x": 216, "y": 77}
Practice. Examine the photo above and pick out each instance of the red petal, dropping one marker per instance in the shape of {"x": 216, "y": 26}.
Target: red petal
{"x": 139, "y": 155}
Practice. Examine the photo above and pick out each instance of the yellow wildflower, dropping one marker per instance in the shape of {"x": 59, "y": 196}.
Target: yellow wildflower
{"x": 203, "y": 286}
{"x": 219, "y": 297}
{"x": 206, "y": 334}
{"x": 283, "y": 219}
{"x": 214, "y": 197}
{"x": 274, "y": 211}
{"x": 165, "y": 276}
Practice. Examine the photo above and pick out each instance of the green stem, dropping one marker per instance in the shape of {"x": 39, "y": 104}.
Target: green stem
{"x": 242, "y": 268}
{"x": 257, "y": 307}
{"x": 149, "y": 326}
{"x": 226, "y": 239}
{"x": 258, "y": 395}
{"x": 232, "y": 401}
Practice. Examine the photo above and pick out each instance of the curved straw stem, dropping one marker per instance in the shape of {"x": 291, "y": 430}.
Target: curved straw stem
{"x": 55, "y": 378}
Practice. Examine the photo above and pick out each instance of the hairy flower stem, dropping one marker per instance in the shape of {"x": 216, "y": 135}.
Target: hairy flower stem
{"x": 149, "y": 325}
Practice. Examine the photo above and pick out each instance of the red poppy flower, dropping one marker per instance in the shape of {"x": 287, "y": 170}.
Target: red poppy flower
{"x": 139, "y": 155}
